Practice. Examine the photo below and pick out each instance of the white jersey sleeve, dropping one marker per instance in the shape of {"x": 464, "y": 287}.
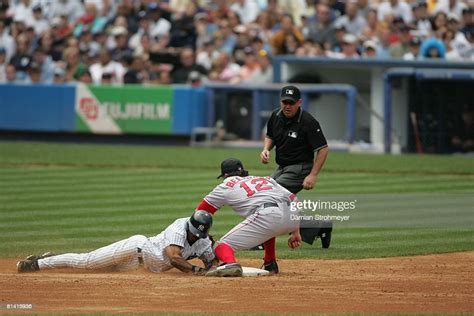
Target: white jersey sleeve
{"x": 205, "y": 252}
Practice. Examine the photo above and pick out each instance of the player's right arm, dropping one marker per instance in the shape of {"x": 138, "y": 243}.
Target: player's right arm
{"x": 173, "y": 252}
{"x": 214, "y": 200}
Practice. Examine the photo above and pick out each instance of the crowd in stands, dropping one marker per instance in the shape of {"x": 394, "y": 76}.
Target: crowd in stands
{"x": 192, "y": 41}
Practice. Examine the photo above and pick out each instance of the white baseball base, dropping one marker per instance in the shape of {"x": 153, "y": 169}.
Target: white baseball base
{"x": 254, "y": 272}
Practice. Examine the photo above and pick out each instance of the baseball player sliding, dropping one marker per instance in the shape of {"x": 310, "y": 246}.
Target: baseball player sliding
{"x": 185, "y": 239}
{"x": 265, "y": 206}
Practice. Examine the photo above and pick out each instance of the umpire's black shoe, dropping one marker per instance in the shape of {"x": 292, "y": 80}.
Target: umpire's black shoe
{"x": 325, "y": 235}
{"x": 271, "y": 266}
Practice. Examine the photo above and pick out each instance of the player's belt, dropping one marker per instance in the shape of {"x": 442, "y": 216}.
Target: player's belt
{"x": 140, "y": 256}
{"x": 265, "y": 205}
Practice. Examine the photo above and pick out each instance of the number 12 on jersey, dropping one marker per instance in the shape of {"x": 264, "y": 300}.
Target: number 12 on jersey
{"x": 255, "y": 185}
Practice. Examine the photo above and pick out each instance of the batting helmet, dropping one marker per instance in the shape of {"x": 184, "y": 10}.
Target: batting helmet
{"x": 199, "y": 224}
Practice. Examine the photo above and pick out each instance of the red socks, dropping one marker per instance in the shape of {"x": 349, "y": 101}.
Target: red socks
{"x": 269, "y": 247}
{"x": 225, "y": 253}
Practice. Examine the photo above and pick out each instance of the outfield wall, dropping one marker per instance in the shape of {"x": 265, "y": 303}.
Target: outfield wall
{"x": 163, "y": 110}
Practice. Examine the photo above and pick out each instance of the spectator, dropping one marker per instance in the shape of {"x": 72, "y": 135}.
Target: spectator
{"x": 71, "y": 9}
{"x": 353, "y": 22}
{"x": 370, "y": 49}
{"x": 421, "y": 20}
{"x": 144, "y": 27}
{"x": 225, "y": 38}
{"x": 126, "y": 10}
{"x": 90, "y": 20}
{"x": 397, "y": 8}
{"x": 121, "y": 49}
{"x": 204, "y": 29}
{"x": 183, "y": 33}
{"x": 74, "y": 66}
{"x": 439, "y": 21}
{"x": 31, "y": 38}
{"x": 370, "y": 29}
{"x": 10, "y": 74}
{"x": 227, "y": 70}
{"x": 114, "y": 71}
{"x": 6, "y": 40}
{"x": 59, "y": 76}
{"x": 85, "y": 77}
{"x": 159, "y": 25}
{"x": 323, "y": 30}
{"x": 46, "y": 65}
{"x": 61, "y": 27}
{"x": 34, "y": 74}
{"x": 297, "y": 9}
{"x": 340, "y": 31}
{"x": 243, "y": 37}
{"x": 400, "y": 48}
{"x": 433, "y": 48}
{"x": 450, "y": 7}
{"x": 363, "y": 8}
{"x": 23, "y": 12}
{"x": 309, "y": 48}
{"x": 264, "y": 73}
{"x": 467, "y": 21}
{"x": 383, "y": 48}
{"x": 280, "y": 38}
{"x": 144, "y": 47}
{"x": 250, "y": 65}
{"x": 39, "y": 23}
{"x": 265, "y": 23}
{"x": 136, "y": 73}
{"x": 349, "y": 48}
{"x": 187, "y": 64}
{"x": 247, "y": 10}
{"x": 87, "y": 44}
{"x": 290, "y": 45}
{"x": 414, "y": 47}
{"x": 22, "y": 58}
{"x": 207, "y": 55}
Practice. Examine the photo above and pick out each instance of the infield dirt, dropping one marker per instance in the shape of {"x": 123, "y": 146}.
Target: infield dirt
{"x": 422, "y": 284}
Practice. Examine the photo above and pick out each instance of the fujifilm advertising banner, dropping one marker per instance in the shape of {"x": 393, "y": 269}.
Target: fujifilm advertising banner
{"x": 124, "y": 109}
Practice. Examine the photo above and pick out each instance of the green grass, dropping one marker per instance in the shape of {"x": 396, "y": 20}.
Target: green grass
{"x": 77, "y": 197}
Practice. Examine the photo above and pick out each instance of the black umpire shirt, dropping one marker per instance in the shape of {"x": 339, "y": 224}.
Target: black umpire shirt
{"x": 295, "y": 139}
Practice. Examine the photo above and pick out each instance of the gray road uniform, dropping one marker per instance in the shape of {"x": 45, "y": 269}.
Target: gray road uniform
{"x": 263, "y": 203}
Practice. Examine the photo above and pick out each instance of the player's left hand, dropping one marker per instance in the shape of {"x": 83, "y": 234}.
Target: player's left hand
{"x": 309, "y": 182}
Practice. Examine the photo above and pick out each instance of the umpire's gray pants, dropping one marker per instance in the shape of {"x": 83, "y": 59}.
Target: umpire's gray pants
{"x": 262, "y": 225}
{"x": 291, "y": 177}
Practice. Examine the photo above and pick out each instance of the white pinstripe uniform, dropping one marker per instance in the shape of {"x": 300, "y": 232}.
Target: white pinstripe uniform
{"x": 263, "y": 203}
{"x": 124, "y": 254}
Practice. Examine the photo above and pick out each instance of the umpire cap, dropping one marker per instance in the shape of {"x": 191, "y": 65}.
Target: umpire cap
{"x": 199, "y": 224}
{"x": 290, "y": 93}
{"x": 230, "y": 165}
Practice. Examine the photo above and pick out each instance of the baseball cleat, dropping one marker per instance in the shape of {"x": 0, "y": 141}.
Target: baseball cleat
{"x": 271, "y": 266}
{"x": 226, "y": 270}
{"x": 27, "y": 266}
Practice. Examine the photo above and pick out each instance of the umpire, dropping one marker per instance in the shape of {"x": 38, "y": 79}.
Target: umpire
{"x": 301, "y": 150}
